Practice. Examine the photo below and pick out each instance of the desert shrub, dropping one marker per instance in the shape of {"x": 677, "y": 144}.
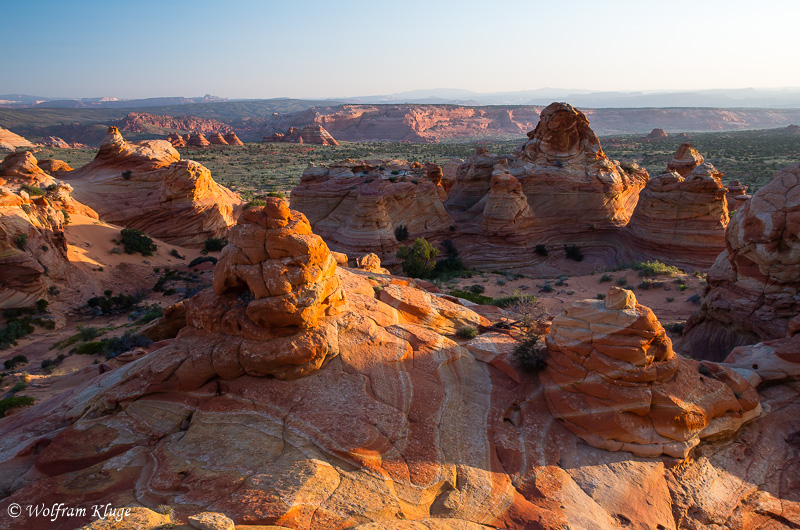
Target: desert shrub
{"x": 395, "y": 172}
{"x": 153, "y": 312}
{"x": 600, "y": 296}
{"x": 175, "y": 254}
{"x": 41, "y": 305}
{"x": 530, "y": 354}
{"x": 513, "y": 300}
{"x": 418, "y": 260}
{"x": 214, "y": 244}
{"x": 127, "y": 175}
{"x": 377, "y": 288}
{"x": 401, "y": 232}
{"x": 541, "y": 250}
{"x": 676, "y": 327}
{"x": 202, "y": 259}
{"x": 49, "y": 364}
{"x": 90, "y": 348}
{"x": 501, "y": 281}
{"x": 115, "y": 345}
{"x": 573, "y": 252}
{"x": 21, "y": 241}
{"x": 622, "y": 281}
{"x": 472, "y": 297}
{"x": 451, "y": 266}
{"x": 606, "y": 278}
{"x": 467, "y": 332}
{"x": 477, "y": 288}
{"x": 15, "y": 361}
{"x": 254, "y": 203}
{"x": 67, "y": 218}
{"x": 546, "y": 288}
{"x": 14, "y": 401}
{"x": 33, "y": 191}
{"x": 15, "y": 329}
{"x": 134, "y": 241}
{"x": 277, "y": 194}
{"x": 108, "y": 304}
{"x": 650, "y": 268}
{"x": 670, "y": 299}
{"x": 696, "y": 299}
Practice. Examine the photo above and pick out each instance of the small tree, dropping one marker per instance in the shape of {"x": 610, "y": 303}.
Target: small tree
{"x": 401, "y": 232}
{"x": 419, "y": 259}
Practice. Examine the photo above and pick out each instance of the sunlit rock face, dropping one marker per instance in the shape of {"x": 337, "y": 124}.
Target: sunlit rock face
{"x": 146, "y": 185}
{"x": 613, "y": 379}
{"x": 752, "y": 291}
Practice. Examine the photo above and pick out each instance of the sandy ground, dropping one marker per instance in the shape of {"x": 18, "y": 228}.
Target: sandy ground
{"x": 96, "y": 270}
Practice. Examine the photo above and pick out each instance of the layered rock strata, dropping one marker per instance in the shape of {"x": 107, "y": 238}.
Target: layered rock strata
{"x": 310, "y": 134}
{"x": 685, "y": 160}
{"x": 146, "y": 185}
{"x": 613, "y": 379}
{"x": 754, "y": 286}
{"x": 681, "y": 220}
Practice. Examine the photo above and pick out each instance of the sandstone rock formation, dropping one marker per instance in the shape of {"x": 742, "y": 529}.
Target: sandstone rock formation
{"x": 232, "y": 139}
{"x": 176, "y": 140}
{"x": 146, "y": 185}
{"x": 737, "y": 195}
{"x": 217, "y": 139}
{"x": 21, "y": 168}
{"x": 53, "y": 166}
{"x": 613, "y": 380}
{"x": 196, "y": 140}
{"x": 682, "y": 220}
{"x": 358, "y": 205}
{"x": 685, "y": 160}
{"x": 141, "y": 122}
{"x": 656, "y": 134}
{"x": 754, "y": 286}
{"x": 792, "y": 129}
{"x": 55, "y": 141}
{"x": 310, "y": 134}
{"x": 10, "y": 141}
{"x": 391, "y": 424}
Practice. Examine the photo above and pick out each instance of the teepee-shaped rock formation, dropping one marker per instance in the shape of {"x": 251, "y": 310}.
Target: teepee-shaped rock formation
{"x": 613, "y": 380}
{"x": 196, "y": 140}
{"x": 232, "y": 139}
{"x": 310, "y": 134}
{"x": 217, "y": 139}
{"x": 685, "y": 160}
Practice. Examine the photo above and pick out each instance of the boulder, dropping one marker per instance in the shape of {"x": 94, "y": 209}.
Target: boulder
{"x": 685, "y": 160}
{"x": 613, "y": 379}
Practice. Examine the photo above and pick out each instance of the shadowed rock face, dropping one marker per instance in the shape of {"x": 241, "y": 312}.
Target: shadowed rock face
{"x": 366, "y": 413}
{"x": 146, "y": 185}
{"x": 613, "y": 379}
{"x": 753, "y": 286}
{"x": 682, "y": 220}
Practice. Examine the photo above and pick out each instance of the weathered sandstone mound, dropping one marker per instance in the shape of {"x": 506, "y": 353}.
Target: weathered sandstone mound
{"x": 792, "y": 129}
{"x": 682, "y": 220}
{"x": 176, "y": 140}
{"x": 10, "y": 141}
{"x": 613, "y": 380}
{"x": 53, "y": 166}
{"x": 310, "y": 134}
{"x": 358, "y": 205}
{"x": 656, "y": 134}
{"x": 146, "y": 185}
{"x": 685, "y": 160}
{"x": 754, "y": 286}
{"x": 217, "y": 139}
{"x": 55, "y": 141}
{"x": 196, "y": 140}
{"x": 299, "y": 395}
{"x": 21, "y": 168}
{"x": 737, "y": 195}
{"x": 232, "y": 139}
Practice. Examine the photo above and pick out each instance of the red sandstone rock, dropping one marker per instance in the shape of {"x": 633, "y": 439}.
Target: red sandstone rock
{"x": 217, "y": 139}
{"x": 310, "y": 134}
{"x": 754, "y": 286}
{"x": 176, "y": 140}
{"x": 196, "y": 140}
{"x": 682, "y": 220}
{"x": 613, "y": 379}
{"x": 656, "y": 134}
{"x": 10, "y": 141}
{"x": 146, "y": 185}
{"x": 685, "y": 160}
{"x": 53, "y": 166}
{"x": 232, "y": 139}
{"x": 54, "y": 141}
{"x": 737, "y": 195}
{"x": 141, "y": 122}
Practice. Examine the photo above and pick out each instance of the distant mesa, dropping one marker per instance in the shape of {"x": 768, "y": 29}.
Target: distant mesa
{"x": 10, "y": 141}
{"x": 310, "y": 134}
{"x": 682, "y": 135}
{"x": 54, "y": 141}
{"x": 792, "y": 129}
{"x": 656, "y": 134}
{"x": 140, "y": 122}
{"x": 146, "y": 185}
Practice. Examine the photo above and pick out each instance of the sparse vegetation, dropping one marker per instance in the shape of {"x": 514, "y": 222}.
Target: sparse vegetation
{"x": 606, "y": 278}
{"x": 541, "y": 250}
{"x": 134, "y": 241}
{"x": 21, "y": 240}
{"x": 418, "y": 260}
{"x": 573, "y": 252}
{"x": 14, "y": 401}
{"x": 467, "y": 332}
{"x": 15, "y": 361}
{"x": 401, "y": 232}
{"x": 113, "y": 346}
{"x": 214, "y": 244}
{"x": 175, "y": 254}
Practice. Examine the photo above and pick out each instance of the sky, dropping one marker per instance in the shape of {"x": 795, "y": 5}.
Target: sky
{"x": 339, "y": 48}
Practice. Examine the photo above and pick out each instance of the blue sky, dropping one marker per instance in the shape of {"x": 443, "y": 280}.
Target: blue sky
{"x": 263, "y": 49}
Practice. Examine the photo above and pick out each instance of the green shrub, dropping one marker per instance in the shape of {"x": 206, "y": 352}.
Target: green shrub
{"x": 134, "y": 241}
{"x": 254, "y": 203}
{"x": 21, "y": 241}
{"x": 33, "y": 191}
{"x": 153, "y": 312}
{"x": 472, "y": 297}
{"x": 546, "y": 288}
{"x": 41, "y": 305}
{"x": 214, "y": 244}
{"x": 696, "y": 299}
{"x": 541, "y": 250}
{"x": 508, "y": 301}
{"x": 277, "y": 194}
{"x": 530, "y": 354}
{"x": 573, "y": 252}
{"x": 418, "y": 260}
{"x": 650, "y": 268}
{"x": 676, "y": 327}
{"x": 19, "y": 386}
{"x": 606, "y": 278}
{"x": 14, "y": 401}
{"x": 127, "y": 175}
{"x": 175, "y": 254}
{"x": 622, "y": 281}
{"x": 600, "y": 296}
{"x": 477, "y": 288}
{"x": 90, "y": 348}
{"x": 202, "y": 259}
{"x": 15, "y": 361}
{"x": 401, "y": 232}
{"x": 467, "y": 332}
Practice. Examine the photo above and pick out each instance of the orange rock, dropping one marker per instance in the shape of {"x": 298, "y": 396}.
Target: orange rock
{"x": 232, "y": 139}
{"x": 196, "y": 140}
{"x": 613, "y": 380}
{"x": 656, "y": 134}
{"x": 146, "y": 185}
{"x": 176, "y": 140}
{"x": 685, "y": 160}
{"x": 682, "y": 220}
{"x": 54, "y": 167}
{"x": 10, "y": 141}
{"x": 54, "y": 141}
{"x": 310, "y": 134}
{"x": 217, "y": 139}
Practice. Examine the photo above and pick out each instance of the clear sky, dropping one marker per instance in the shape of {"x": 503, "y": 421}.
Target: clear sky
{"x": 336, "y": 48}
